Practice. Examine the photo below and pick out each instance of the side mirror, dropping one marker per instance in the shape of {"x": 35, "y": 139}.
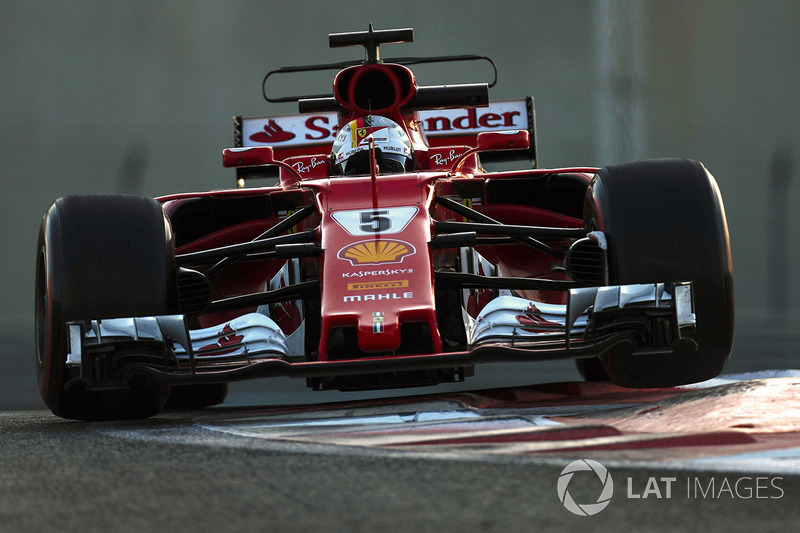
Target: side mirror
{"x": 255, "y": 156}
{"x": 259, "y": 156}
{"x": 503, "y": 140}
{"x": 490, "y": 141}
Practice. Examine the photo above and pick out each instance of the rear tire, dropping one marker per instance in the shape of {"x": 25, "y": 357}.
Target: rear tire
{"x": 99, "y": 256}
{"x": 664, "y": 221}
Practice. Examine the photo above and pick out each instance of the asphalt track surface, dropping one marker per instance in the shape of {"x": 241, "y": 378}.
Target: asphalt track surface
{"x": 238, "y": 468}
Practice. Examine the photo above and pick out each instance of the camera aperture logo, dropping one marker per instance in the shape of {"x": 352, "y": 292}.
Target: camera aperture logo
{"x": 604, "y": 478}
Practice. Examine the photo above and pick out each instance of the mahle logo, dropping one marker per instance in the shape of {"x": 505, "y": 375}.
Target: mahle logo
{"x": 585, "y": 509}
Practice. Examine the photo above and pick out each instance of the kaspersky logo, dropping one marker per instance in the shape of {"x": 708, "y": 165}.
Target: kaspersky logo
{"x": 376, "y": 252}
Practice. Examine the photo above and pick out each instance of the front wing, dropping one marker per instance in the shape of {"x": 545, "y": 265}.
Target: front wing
{"x": 644, "y": 319}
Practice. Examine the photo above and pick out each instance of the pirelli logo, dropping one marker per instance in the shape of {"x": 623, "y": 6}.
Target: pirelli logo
{"x": 374, "y": 285}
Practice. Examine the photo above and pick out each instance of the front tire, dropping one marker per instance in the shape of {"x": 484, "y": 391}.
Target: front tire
{"x": 664, "y": 221}
{"x": 197, "y": 396}
{"x": 99, "y": 256}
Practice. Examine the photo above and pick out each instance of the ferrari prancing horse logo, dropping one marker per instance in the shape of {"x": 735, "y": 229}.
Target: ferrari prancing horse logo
{"x": 376, "y": 252}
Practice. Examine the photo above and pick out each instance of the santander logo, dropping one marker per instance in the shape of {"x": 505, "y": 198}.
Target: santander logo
{"x": 449, "y": 122}
{"x": 322, "y": 128}
{"x": 272, "y": 133}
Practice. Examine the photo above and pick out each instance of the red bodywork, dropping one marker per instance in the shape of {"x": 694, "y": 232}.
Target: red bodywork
{"x": 376, "y": 270}
{"x": 396, "y": 287}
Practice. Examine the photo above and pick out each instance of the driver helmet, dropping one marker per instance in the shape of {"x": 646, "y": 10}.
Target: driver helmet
{"x": 392, "y": 147}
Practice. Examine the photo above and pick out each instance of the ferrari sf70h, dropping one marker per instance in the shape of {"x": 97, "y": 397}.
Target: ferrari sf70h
{"x": 383, "y": 255}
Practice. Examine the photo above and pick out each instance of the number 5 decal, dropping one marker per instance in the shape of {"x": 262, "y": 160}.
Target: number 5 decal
{"x": 374, "y": 221}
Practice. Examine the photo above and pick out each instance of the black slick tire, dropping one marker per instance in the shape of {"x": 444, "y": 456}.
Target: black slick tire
{"x": 664, "y": 220}
{"x": 99, "y": 256}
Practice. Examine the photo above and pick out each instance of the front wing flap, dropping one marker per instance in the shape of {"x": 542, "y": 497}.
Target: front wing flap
{"x": 643, "y": 318}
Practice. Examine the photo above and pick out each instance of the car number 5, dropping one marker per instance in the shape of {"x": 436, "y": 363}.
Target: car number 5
{"x": 375, "y": 221}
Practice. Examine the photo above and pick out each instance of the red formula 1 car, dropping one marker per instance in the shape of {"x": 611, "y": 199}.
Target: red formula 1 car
{"x": 386, "y": 256}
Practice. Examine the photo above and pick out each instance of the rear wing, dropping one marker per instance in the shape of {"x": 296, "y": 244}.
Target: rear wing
{"x": 312, "y": 134}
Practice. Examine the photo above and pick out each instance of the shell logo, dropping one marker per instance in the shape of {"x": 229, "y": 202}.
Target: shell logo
{"x": 376, "y": 251}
